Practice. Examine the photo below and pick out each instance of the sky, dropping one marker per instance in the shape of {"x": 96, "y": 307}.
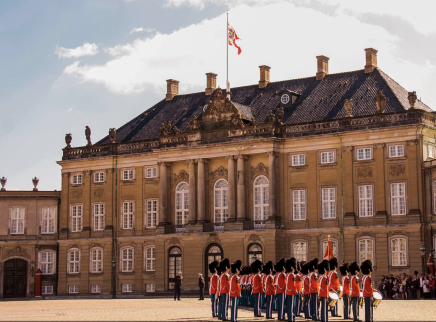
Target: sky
{"x": 65, "y": 65}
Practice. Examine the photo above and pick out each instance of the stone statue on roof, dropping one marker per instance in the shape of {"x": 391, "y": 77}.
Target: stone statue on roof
{"x": 88, "y": 135}
{"x": 412, "y": 99}
{"x": 380, "y": 102}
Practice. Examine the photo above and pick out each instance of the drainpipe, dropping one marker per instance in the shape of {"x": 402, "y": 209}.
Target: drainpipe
{"x": 114, "y": 236}
{"x": 57, "y": 244}
{"x": 342, "y": 206}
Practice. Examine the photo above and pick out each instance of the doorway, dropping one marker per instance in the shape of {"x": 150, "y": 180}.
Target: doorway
{"x": 15, "y": 278}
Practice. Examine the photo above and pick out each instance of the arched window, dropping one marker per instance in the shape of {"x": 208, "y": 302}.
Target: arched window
{"x": 127, "y": 259}
{"x": 214, "y": 252}
{"x": 174, "y": 265}
{"x": 150, "y": 258}
{"x": 254, "y": 252}
{"x": 74, "y": 261}
{"x": 299, "y": 249}
{"x": 182, "y": 203}
{"x": 221, "y": 207}
{"x": 96, "y": 258}
{"x": 261, "y": 198}
{"x": 366, "y": 249}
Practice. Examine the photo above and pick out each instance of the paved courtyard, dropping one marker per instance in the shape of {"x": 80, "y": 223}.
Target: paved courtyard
{"x": 164, "y": 309}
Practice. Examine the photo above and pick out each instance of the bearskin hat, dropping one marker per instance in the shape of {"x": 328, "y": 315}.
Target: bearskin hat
{"x": 256, "y": 266}
{"x": 313, "y": 264}
{"x": 326, "y": 265}
{"x": 248, "y": 270}
{"x": 291, "y": 264}
{"x": 268, "y": 268}
{"x": 305, "y": 268}
{"x": 366, "y": 267}
{"x": 213, "y": 266}
{"x": 297, "y": 266}
{"x": 344, "y": 268}
{"x": 236, "y": 265}
{"x": 333, "y": 263}
{"x": 280, "y": 265}
{"x": 321, "y": 267}
{"x": 354, "y": 268}
{"x": 224, "y": 264}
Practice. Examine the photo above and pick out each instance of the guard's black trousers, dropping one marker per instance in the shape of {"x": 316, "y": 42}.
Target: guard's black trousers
{"x": 177, "y": 292}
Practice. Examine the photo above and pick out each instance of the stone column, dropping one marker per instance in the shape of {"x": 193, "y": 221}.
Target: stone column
{"x": 241, "y": 187}
{"x": 201, "y": 191}
{"x": 231, "y": 191}
{"x": 192, "y": 196}
{"x": 163, "y": 193}
{"x": 272, "y": 183}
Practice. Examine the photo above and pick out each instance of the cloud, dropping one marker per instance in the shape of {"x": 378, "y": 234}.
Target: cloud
{"x": 140, "y": 29}
{"x": 86, "y": 49}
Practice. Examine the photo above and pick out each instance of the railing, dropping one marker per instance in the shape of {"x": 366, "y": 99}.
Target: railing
{"x": 174, "y": 229}
{"x": 254, "y": 225}
{"x": 213, "y": 227}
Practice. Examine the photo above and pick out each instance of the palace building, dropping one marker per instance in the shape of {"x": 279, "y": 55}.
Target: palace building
{"x": 266, "y": 171}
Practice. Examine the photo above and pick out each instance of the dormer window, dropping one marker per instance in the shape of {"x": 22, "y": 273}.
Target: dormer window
{"x": 285, "y": 99}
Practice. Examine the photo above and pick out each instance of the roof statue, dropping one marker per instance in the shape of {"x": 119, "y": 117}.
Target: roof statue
{"x": 88, "y": 135}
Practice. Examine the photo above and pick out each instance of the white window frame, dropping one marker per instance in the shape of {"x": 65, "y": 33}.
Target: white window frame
{"x": 151, "y": 172}
{"x": 76, "y": 217}
{"x": 17, "y": 220}
{"x": 128, "y": 175}
{"x": 150, "y": 258}
{"x": 395, "y": 151}
{"x": 128, "y": 211}
{"x": 96, "y": 289}
{"x": 431, "y": 151}
{"x": 44, "y": 263}
{"x": 77, "y": 178}
{"x": 151, "y": 212}
{"x": 150, "y": 288}
{"x": 47, "y": 289}
{"x": 296, "y": 244}
{"x": 331, "y": 211}
{"x": 99, "y": 209}
{"x": 182, "y": 204}
{"x": 299, "y": 207}
{"x": 127, "y": 264}
{"x": 364, "y": 153}
{"x": 73, "y": 289}
{"x": 220, "y": 202}
{"x": 74, "y": 265}
{"x": 99, "y": 177}
{"x": 127, "y": 288}
{"x": 396, "y": 202}
{"x": 298, "y": 159}
{"x": 262, "y": 207}
{"x": 96, "y": 262}
{"x": 327, "y": 157}
{"x": 48, "y": 220}
{"x": 397, "y": 253}
{"x": 335, "y": 247}
{"x": 365, "y": 199}
{"x": 366, "y": 241}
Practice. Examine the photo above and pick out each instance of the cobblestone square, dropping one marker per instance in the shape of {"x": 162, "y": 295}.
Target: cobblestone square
{"x": 165, "y": 309}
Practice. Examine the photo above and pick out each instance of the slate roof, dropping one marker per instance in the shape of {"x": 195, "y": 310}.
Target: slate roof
{"x": 318, "y": 101}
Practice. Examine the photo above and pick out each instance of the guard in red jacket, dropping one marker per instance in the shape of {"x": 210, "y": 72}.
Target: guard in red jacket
{"x": 366, "y": 268}
{"x": 213, "y": 285}
{"x": 270, "y": 288}
{"x": 224, "y": 289}
{"x": 235, "y": 289}
{"x": 314, "y": 288}
{"x": 291, "y": 288}
{"x": 334, "y": 283}
{"x": 344, "y": 269}
{"x": 281, "y": 288}
{"x": 256, "y": 268}
{"x": 306, "y": 291}
{"x": 324, "y": 284}
{"x": 298, "y": 303}
{"x": 355, "y": 290}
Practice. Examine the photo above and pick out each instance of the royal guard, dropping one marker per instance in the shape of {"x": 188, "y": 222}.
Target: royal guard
{"x": 225, "y": 288}
{"x": 250, "y": 283}
{"x": 291, "y": 287}
{"x": 242, "y": 283}
{"x": 306, "y": 291}
{"x": 270, "y": 288}
{"x": 218, "y": 291}
{"x": 345, "y": 271}
{"x": 334, "y": 283}
{"x": 298, "y": 303}
{"x": 235, "y": 289}
{"x": 355, "y": 290}
{"x": 366, "y": 269}
{"x": 257, "y": 268}
{"x": 281, "y": 288}
{"x": 213, "y": 285}
{"x": 314, "y": 288}
{"x": 263, "y": 297}
{"x": 324, "y": 286}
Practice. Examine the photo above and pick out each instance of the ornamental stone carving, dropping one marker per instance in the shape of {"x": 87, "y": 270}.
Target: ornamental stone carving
{"x": 194, "y": 124}
{"x": 347, "y": 148}
{"x": 219, "y": 173}
{"x": 213, "y": 238}
{"x": 76, "y": 194}
{"x": 280, "y": 112}
{"x": 165, "y": 128}
{"x": 412, "y": 99}
{"x": 17, "y": 251}
{"x": 365, "y": 172}
{"x": 88, "y": 135}
{"x": 260, "y": 169}
{"x": 396, "y": 170}
{"x": 348, "y": 107}
{"x": 182, "y": 176}
{"x": 174, "y": 241}
{"x": 379, "y": 145}
{"x": 254, "y": 238}
{"x": 68, "y": 139}
{"x": 380, "y": 102}
{"x": 112, "y": 134}
{"x": 99, "y": 193}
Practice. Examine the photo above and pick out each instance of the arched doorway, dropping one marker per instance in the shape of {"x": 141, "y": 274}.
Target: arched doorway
{"x": 214, "y": 252}
{"x": 174, "y": 265}
{"x": 15, "y": 278}
{"x": 254, "y": 252}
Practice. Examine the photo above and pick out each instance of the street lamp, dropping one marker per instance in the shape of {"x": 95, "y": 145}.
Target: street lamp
{"x": 422, "y": 250}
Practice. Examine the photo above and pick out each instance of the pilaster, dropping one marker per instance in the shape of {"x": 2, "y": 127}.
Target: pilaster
{"x": 232, "y": 187}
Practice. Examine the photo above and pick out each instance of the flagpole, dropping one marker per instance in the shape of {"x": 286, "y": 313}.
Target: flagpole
{"x": 227, "y": 45}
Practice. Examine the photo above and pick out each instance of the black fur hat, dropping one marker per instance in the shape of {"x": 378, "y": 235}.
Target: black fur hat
{"x": 321, "y": 267}
{"x": 326, "y": 265}
{"x": 354, "y": 268}
{"x": 297, "y": 266}
{"x": 236, "y": 265}
{"x": 344, "y": 268}
{"x": 280, "y": 265}
{"x": 213, "y": 266}
{"x": 218, "y": 270}
{"x": 224, "y": 264}
{"x": 305, "y": 268}
{"x": 290, "y": 264}
{"x": 366, "y": 267}
{"x": 268, "y": 268}
{"x": 313, "y": 264}
{"x": 248, "y": 270}
{"x": 256, "y": 266}
{"x": 333, "y": 263}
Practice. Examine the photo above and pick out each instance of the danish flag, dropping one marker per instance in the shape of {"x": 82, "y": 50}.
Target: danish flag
{"x": 329, "y": 251}
{"x": 232, "y": 38}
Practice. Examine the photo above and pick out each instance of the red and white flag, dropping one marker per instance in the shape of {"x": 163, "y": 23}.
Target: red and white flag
{"x": 329, "y": 251}
{"x": 232, "y": 39}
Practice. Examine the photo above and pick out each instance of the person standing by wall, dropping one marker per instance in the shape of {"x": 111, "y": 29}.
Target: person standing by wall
{"x": 177, "y": 286}
{"x": 201, "y": 286}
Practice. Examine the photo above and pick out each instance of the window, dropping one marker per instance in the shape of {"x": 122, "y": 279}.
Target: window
{"x": 366, "y": 250}
{"x": 149, "y": 288}
{"x": 99, "y": 216}
{"x": 214, "y": 252}
{"x": 399, "y": 251}
{"x": 46, "y": 262}
{"x": 76, "y": 179}
{"x": 300, "y": 250}
{"x": 328, "y": 203}
{"x": 254, "y": 252}
{"x": 150, "y": 256}
{"x": 127, "y": 288}
{"x": 17, "y": 220}
{"x": 128, "y": 215}
{"x": 221, "y": 206}
{"x": 334, "y": 247}
{"x": 299, "y": 204}
{"x": 285, "y": 99}
{"x": 182, "y": 203}
{"x": 396, "y": 151}
{"x": 128, "y": 175}
{"x": 151, "y": 172}
{"x": 73, "y": 289}
{"x": 99, "y": 177}
{"x": 398, "y": 198}
{"x": 47, "y": 290}
{"x": 328, "y": 157}
{"x": 151, "y": 216}
{"x": 48, "y": 217}
{"x": 76, "y": 216}
{"x": 261, "y": 198}
{"x": 96, "y": 260}
{"x": 127, "y": 260}
{"x": 95, "y": 288}
{"x": 364, "y": 154}
{"x": 74, "y": 261}
{"x": 298, "y": 159}
{"x": 365, "y": 201}
{"x": 430, "y": 151}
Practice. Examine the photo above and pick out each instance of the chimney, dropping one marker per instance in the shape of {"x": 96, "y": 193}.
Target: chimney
{"x": 172, "y": 89}
{"x": 371, "y": 59}
{"x": 323, "y": 67}
{"x": 264, "y": 76}
{"x": 210, "y": 83}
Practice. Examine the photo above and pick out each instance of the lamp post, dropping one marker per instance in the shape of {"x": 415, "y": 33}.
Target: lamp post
{"x": 422, "y": 250}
